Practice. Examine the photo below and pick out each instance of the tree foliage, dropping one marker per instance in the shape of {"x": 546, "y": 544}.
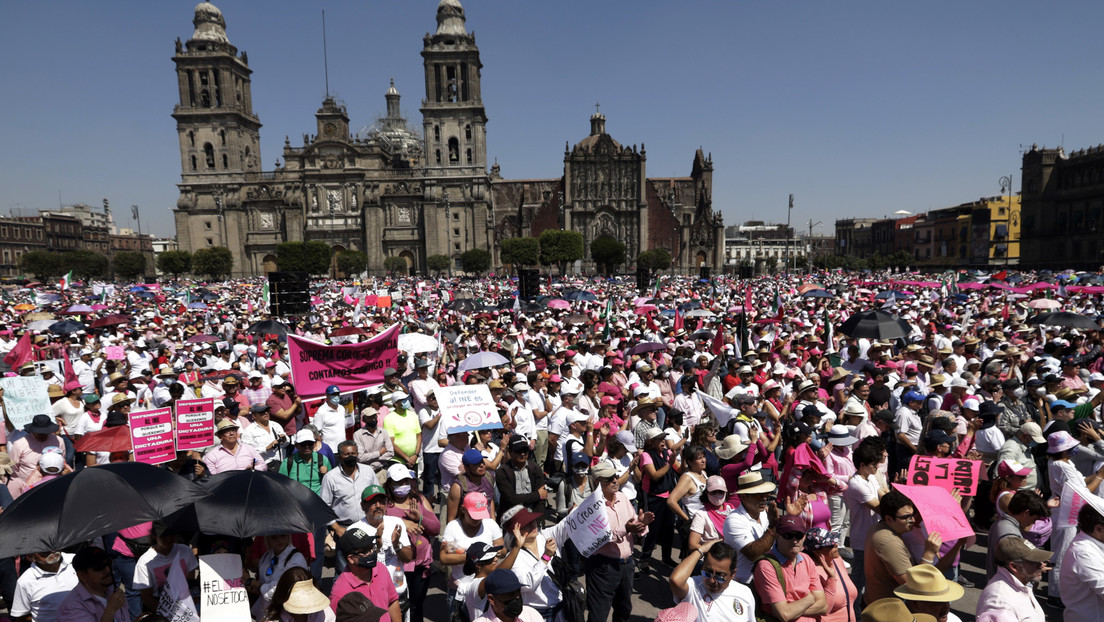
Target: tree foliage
{"x": 352, "y": 262}
{"x": 42, "y": 264}
{"x": 395, "y": 265}
{"x": 85, "y": 264}
{"x": 215, "y": 262}
{"x": 175, "y": 262}
{"x": 476, "y": 260}
{"x": 560, "y": 248}
{"x": 877, "y": 261}
{"x": 438, "y": 263}
{"x": 656, "y": 259}
{"x": 310, "y": 257}
{"x": 519, "y": 252}
{"x": 607, "y": 253}
{"x": 289, "y": 257}
{"x": 129, "y": 265}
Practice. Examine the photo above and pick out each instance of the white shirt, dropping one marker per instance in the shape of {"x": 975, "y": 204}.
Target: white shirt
{"x": 1082, "y": 579}
{"x": 524, "y": 422}
{"x": 537, "y": 588}
{"x": 489, "y": 531}
{"x": 740, "y": 530}
{"x": 860, "y": 491}
{"x": 735, "y": 604}
{"x": 269, "y": 573}
{"x": 388, "y": 556}
{"x": 909, "y": 424}
{"x": 330, "y": 421}
{"x": 259, "y": 438}
{"x": 535, "y": 401}
{"x": 431, "y": 436}
{"x": 39, "y": 593}
{"x": 152, "y": 568}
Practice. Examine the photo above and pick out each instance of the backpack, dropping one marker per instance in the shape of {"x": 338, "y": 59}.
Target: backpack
{"x": 763, "y": 610}
{"x": 572, "y": 593}
{"x": 666, "y": 483}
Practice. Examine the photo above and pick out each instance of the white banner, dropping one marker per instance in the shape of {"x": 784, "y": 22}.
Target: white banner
{"x": 467, "y": 407}
{"x": 587, "y": 526}
{"x": 722, "y": 412}
{"x": 176, "y": 603}
{"x": 222, "y": 597}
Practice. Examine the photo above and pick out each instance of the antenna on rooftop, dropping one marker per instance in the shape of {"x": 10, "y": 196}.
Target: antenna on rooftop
{"x": 325, "y": 56}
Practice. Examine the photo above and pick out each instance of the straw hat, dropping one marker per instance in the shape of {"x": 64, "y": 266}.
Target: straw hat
{"x": 892, "y": 610}
{"x": 926, "y": 583}
{"x": 754, "y": 484}
{"x": 305, "y": 598}
{"x": 731, "y": 447}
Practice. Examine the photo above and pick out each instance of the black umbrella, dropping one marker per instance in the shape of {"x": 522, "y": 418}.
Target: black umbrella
{"x": 646, "y": 346}
{"x": 818, "y": 293}
{"x": 268, "y": 327}
{"x": 80, "y": 506}
{"x": 1066, "y": 319}
{"x": 65, "y": 327}
{"x": 243, "y": 504}
{"x": 463, "y": 305}
{"x": 875, "y": 324}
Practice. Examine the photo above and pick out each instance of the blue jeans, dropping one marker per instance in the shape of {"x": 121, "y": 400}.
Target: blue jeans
{"x": 431, "y": 474}
{"x": 319, "y": 553}
{"x": 123, "y": 567}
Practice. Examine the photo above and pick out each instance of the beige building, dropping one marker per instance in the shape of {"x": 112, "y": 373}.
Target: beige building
{"x": 395, "y": 193}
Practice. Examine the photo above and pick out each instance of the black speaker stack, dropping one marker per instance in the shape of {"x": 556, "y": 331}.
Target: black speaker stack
{"x": 528, "y": 283}
{"x": 289, "y": 293}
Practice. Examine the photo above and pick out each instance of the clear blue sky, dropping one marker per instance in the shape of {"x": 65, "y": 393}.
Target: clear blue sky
{"x": 858, "y": 108}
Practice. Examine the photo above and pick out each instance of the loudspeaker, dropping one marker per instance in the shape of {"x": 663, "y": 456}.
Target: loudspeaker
{"x": 704, "y": 272}
{"x": 289, "y": 293}
{"x": 643, "y": 279}
{"x": 528, "y": 283}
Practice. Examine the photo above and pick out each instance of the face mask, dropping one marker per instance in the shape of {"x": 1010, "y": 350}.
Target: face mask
{"x": 717, "y": 499}
{"x": 1018, "y": 393}
{"x": 402, "y": 491}
{"x": 368, "y": 562}
{"x": 349, "y": 461}
{"x": 405, "y": 404}
{"x": 371, "y": 422}
{"x": 512, "y": 608}
{"x": 1040, "y": 391}
{"x": 332, "y": 401}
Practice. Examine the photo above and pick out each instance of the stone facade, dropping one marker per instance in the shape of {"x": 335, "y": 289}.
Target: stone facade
{"x": 394, "y": 193}
{"x": 1062, "y": 208}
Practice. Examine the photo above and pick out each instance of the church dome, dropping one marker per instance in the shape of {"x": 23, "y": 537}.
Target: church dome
{"x": 597, "y": 131}
{"x": 450, "y": 18}
{"x": 209, "y": 24}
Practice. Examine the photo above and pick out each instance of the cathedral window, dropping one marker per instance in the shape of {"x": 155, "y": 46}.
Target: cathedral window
{"x": 469, "y": 156}
{"x": 205, "y": 98}
{"x": 437, "y": 133}
{"x": 225, "y": 161}
{"x": 467, "y": 132}
{"x": 248, "y": 156}
{"x": 454, "y": 150}
{"x": 194, "y": 163}
{"x": 209, "y": 155}
{"x": 438, "y": 154}
{"x": 191, "y": 138}
{"x": 222, "y": 137}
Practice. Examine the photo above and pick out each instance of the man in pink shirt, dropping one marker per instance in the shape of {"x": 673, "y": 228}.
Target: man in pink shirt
{"x": 799, "y": 597}
{"x": 232, "y": 454}
{"x": 364, "y": 574}
{"x": 609, "y": 571}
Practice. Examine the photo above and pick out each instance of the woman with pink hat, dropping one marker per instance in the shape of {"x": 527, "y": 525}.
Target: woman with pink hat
{"x": 1061, "y": 472}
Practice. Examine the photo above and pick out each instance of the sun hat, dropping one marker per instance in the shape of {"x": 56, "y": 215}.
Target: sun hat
{"x": 853, "y": 409}
{"x": 1008, "y": 468}
{"x": 1060, "y": 441}
{"x": 653, "y": 433}
{"x": 476, "y": 505}
{"x": 305, "y": 598}
{"x": 225, "y": 424}
{"x": 682, "y": 612}
{"x": 731, "y": 447}
{"x": 925, "y": 582}
{"x": 840, "y": 436}
{"x": 754, "y": 484}
{"x": 819, "y": 538}
{"x": 41, "y": 424}
{"x": 892, "y": 610}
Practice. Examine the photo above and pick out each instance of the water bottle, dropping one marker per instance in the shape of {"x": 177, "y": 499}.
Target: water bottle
{"x": 398, "y": 576}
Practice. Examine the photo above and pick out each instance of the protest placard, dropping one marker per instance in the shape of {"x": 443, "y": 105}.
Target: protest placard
{"x": 587, "y": 526}
{"x": 467, "y": 407}
{"x": 222, "y": 594}
{"x": 175, "y": 602}
{"x": 114, "y": 353}
{"x": 25, "y": 397}
{"x": 55, "y": 365}
{"x": 939, "y": 510}
{"x": 195, "y": 423}
{"x": 947, "y": 473}
{"x": 151, "y": 435}
{"x": 1074, "y": 497}
{"x": 352, "y": 367}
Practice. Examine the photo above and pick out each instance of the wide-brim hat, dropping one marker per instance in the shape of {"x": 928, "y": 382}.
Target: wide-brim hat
{"x": 1060, "y": 441}
{"x": 305, "y": 598}
{"x": 754, "y": 484}
{"x": 645, "y": 402}
{"x": 731, "y": 447}
{"x": 120, "y": 399}
{"x": 838, "y": 373}
{"x": 892, "y": 610}
{"x": 925, "y": 582}
{"x": 840, "y": 436}
{"x": 41, "y": 424}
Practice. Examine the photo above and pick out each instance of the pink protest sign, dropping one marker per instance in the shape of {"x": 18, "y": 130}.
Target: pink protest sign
{"x": 115, "y": 353}
{"x": 352, "y": 367}
{"x": 195, "y": 424}
{"x": 151, "y": 434}
{"x": 947, "y": 473}
{"x": 941, "y": 513}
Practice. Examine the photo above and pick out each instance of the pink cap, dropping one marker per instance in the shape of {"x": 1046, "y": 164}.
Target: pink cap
{"x": 617, "y": 362}
{"x": 1008, "y": 468}
{"x": 476, "y": 505}
{"x": 555, "y": 378}
{"x": 608, "y": 401}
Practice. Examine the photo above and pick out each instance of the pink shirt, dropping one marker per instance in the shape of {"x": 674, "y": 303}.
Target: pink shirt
{"x": 801, "y": 580}
{"x": 26, "y": 451}
{"x": 840, "y": 593}
{"x": 380, "y": 590}
{"x": 619, "y": 513}
{"x": 220, "y": 459}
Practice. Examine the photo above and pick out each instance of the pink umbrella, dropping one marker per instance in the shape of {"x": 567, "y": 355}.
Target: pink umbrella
{"x": 645, "y": 309}
{"x": 1044, "y": 303}
{"x": 559, "y": 303}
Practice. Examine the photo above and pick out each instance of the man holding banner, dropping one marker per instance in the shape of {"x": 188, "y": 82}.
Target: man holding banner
{"x": 609, "y": 571}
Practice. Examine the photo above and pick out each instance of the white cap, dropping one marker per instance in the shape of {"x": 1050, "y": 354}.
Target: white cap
{"x": 971, "y": 403}
{"x": 397, "y": 472}
{"x": 1096, "y": 377}
{"x": 959, "y": 383}
{"x": 51, "y": 462}
{"x": 303, "y": 436}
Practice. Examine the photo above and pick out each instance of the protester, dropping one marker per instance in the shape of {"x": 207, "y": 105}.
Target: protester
{"x": 1083, "y": 577}
{"x": 41, "y": 590}
{"x": 713, "y": 593}
{"x": 96, "y": 597}
{"x": 1009, "y": 594}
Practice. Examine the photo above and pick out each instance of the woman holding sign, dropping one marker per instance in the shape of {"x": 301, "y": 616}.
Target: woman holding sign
{"x": 1060, "y": 446}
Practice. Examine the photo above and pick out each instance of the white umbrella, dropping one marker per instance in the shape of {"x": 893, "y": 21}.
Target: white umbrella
{"x": 417, "y": 342}
{"x": 41, "y": 324}
{"x": 700, "y": 313}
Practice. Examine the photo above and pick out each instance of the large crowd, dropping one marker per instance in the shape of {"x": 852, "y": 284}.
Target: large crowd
{"x": 749, "y": 447}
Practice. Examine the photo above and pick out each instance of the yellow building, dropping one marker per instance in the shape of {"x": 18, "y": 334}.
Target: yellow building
{"x": 1004, "y": 230}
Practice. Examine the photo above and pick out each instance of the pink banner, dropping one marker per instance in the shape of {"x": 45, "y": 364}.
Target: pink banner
{"x": 352, "y": 367}
{"x": 947, "y": 473}
{"x": 195, "y": 424}
{"x": 151, "y": 435}
{"x": 940, "y": 512}
{"x": 115, "y": 353}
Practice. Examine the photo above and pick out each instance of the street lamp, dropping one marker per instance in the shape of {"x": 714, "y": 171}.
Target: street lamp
{"x": 1006, "y": 186}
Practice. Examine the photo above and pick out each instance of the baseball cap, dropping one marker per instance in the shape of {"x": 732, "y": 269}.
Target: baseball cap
{"x": 372, "y": 491}
{"x": 472, "y": 457}
{"x": 501, "y": 582}
{"x": 333, "y": 390}
{"x": 886, "y": 417}
{"x": 603, "y": 469}
{"x": 51, "y": 462}
{"x": 1008, "y": 468}
{"x": 480, "y": 552}
{"x": 476, "y": 505}
{"x": 398, "y": 472}
{"x": 1013, "y": 549}
{"x": 518, "y": 443}
{"x": 716, "y": 483}
{"x": 303, "y": 436}
{"x": 1034, "y": 431}
{"x": 790, "y": 524}
{"x": 354, "y": 540}
{"x": 626, "y": 438}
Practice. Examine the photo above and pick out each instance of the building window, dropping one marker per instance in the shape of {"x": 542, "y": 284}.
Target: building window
{"x": 210, "y": 242}
{"x": 207, "y": 224}
{"x": 209, "y": 155}
{"x": 438, "y": 153}
{"x": 456, "y": 247}
{"x": 194, "y": 163}
{"x": 456, "y": 232}
{"x": 191, "y": 139}
{"x": 455, "y": 216}
{"x": 437, "y": 133}
{"x": 225, "y": 162}
{"x": 222, "y": 137}
{"x": 469, "y": 156}
{"x": 467, "y": 132}
{"x": 454, "y": 150}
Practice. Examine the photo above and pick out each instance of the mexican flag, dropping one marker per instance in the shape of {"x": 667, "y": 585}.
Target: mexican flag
{"x": 67, "y": 281}
{"x": 265, "y": 295}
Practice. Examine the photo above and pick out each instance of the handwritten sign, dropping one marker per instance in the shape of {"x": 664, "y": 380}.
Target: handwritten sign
{"x": 151, "y": 435}
{"x": 175, "y": 602}
{"x": 25, "y": 397}
{"x": 941, "y": 513}
{"x": 195, "y": 424}
{"x": 222, "y": 595}
{"x": 115, "y": 353}
{"x": 467, "y": 407}
{"x": 587, "y": 526}
{"x": 947, "y": 473}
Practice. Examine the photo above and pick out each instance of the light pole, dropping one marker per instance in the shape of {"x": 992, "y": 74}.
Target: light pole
{"x": 218, "y": 213}
{"x": 1006, "y": 186}
{"x": 448, "y": 230}
{"x": 135, "y": 215}
{"x": 809, "y": 252}
{"x": 789, "y": 232}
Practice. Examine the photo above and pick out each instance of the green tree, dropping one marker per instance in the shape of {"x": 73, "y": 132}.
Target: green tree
{"x": 560, "y": 248}
{"x": 438, "y": 263}
{"x": 395, "y": 265}
{"x": 43, "y": 264}
{"x": 129, "y": 265}
{"x": 657, "y": 259}
{"x": 607, "y": 253}
{"x": 215, "y": 262}
{"x": 476, "y": 261}
{"x": 519, "y": 252}
{"x": 316, "y": 257}
{"x": 86, "y": 264}
{"x": 289, "y": 257}
{"x": 175, "y": 263}
{"x": 352, "y": 262}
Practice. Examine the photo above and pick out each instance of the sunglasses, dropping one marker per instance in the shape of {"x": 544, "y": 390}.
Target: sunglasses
{"x": 719, "y": 577}
{"x": 793, "y": 535}
{"x": 906, "y": 517}
{"x": 607, "y": 480}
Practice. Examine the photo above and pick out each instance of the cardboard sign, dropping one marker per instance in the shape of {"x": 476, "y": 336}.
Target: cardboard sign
{"x": 195, "y": 424}
{"x": 467, "y": 407}
{"x": 151, "y": 436}
{"x": 115, "y": 353}
{"x": 25, "y": 397}
{"x": 352, "y": 367}
{"x": 222, "y": 595}
{"x": 941, "y": 513}
{"x": 947, "y": 473}
{"x": 587, "y": 526}
{"x": 175, "y": 602}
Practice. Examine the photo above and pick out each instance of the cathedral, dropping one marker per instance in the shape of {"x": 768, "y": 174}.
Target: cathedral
{"x": 398, "y": 193}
